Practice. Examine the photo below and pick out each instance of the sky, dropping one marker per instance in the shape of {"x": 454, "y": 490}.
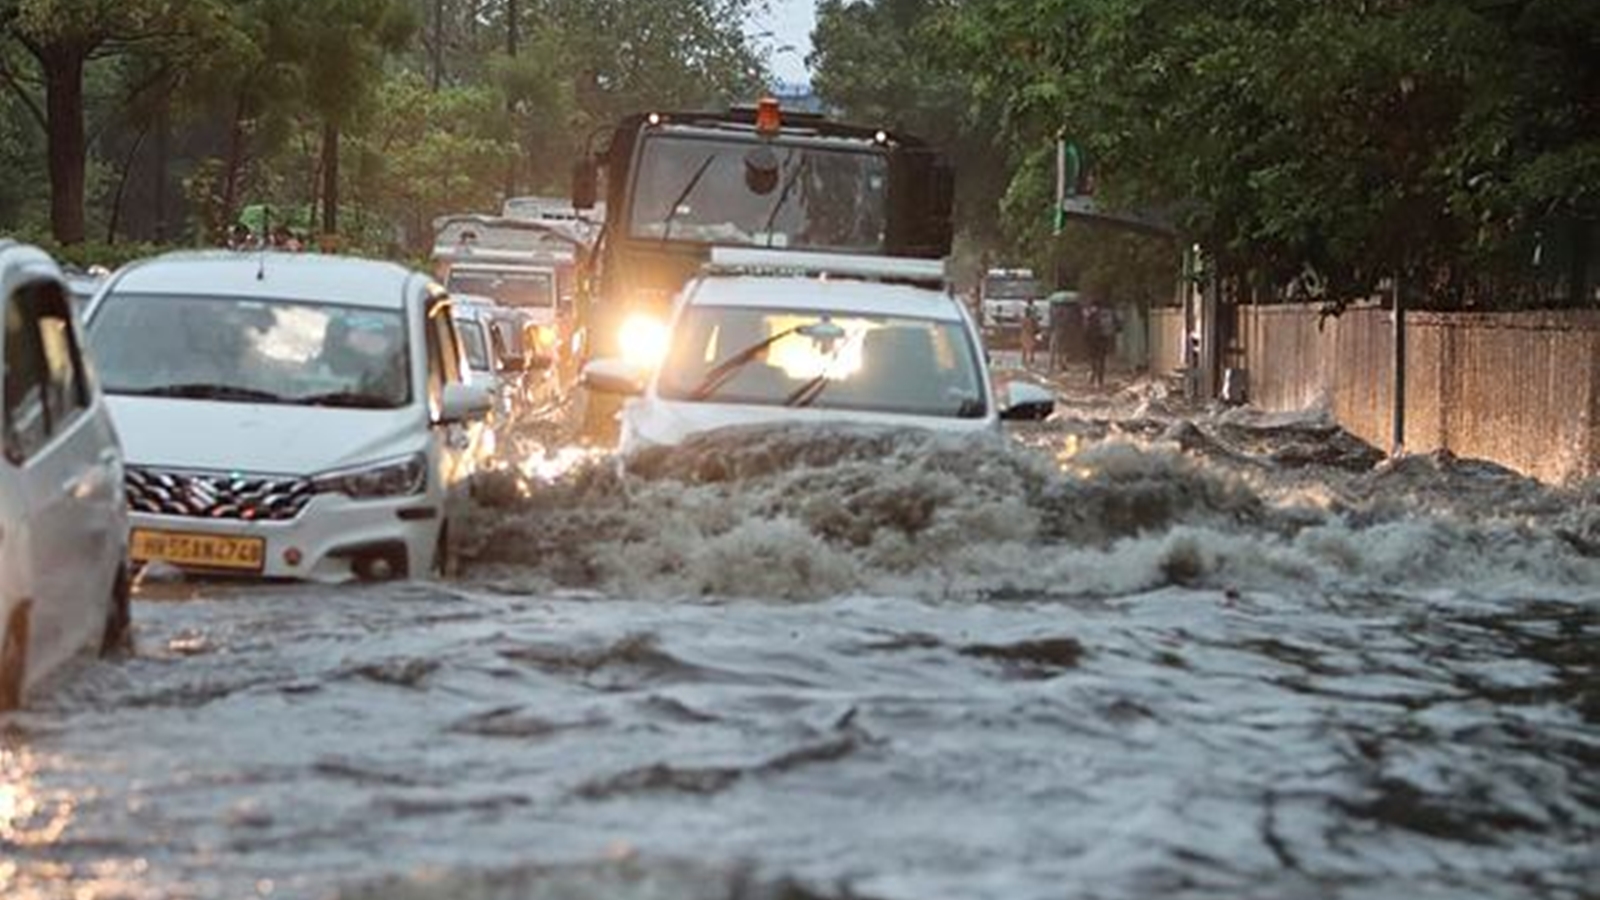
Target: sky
{"x": 790, "y": 22}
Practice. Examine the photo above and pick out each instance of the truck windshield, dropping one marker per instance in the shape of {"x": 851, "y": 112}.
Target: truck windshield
{"x": 1011, "y": 287}
{"x": 702, "y": 190}
{"x": 508, "y": 287}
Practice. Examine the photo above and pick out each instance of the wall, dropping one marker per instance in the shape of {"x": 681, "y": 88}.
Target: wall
{"x": 1520, "y": 389}
{"x": 1166, "y": 340}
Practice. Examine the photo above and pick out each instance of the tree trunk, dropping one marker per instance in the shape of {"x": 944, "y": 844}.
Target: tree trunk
{"x": 163, "y": 162}
{"x": 512, "y": 164}
{"x": 234, "y": 168}
{"x": 122, "y": 184}
{"x": 330, "y": 178}
{"x": 63, "y": 85}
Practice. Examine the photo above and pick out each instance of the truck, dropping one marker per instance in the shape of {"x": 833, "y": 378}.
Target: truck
{"x": 677, "y": 184}
{"x": 1003, "y": 298}
{"x": 526, "y": 265}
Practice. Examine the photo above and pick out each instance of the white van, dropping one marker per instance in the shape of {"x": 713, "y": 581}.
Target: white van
{"x": 63, "y": 524}
{"x": 286, "y": 415}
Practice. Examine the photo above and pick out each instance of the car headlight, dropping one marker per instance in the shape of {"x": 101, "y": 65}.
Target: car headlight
{"x": 390, "y": 478}
{"x": 643, "y": 341}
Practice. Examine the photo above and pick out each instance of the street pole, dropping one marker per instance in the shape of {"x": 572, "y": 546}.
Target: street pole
{"x": 1061, "y": 182}
{"x": 1397, "y": 442}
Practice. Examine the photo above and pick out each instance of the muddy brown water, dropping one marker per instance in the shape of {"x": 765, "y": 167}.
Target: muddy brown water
{"x": 1139, "y": 650}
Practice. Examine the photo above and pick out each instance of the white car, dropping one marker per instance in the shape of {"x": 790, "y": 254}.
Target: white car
{"x": 767, "y": 337}
{"x": 286, "y": 415}
{"x": 63, "y": 523}
{"x": 489, "y": 366}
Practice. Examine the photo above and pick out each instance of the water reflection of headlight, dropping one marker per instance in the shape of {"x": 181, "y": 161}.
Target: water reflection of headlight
{"x": 643, "y": 340}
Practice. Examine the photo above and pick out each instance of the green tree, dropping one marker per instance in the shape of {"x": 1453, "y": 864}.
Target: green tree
{"x": 888, "y": 63}
{"x": 430, "y": 152}
{"x": 1440, "y": 140}
{"x": 344, "y": 44}
{"x": 58, "y": 40}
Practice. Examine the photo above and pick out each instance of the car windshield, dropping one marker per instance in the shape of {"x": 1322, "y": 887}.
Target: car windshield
{"x": 706, "y": 191}
{"x": 473, "y": 342}
{"x": 261, "y": 350}
{"x": 506, "y": 287}
{"x": 823, "y": 359}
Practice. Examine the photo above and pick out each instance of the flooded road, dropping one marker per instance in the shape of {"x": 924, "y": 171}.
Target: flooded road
{"x": 1137, "y": 650}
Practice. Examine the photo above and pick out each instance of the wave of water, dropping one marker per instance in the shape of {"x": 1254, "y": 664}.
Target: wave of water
{"x": 806, "y": 513}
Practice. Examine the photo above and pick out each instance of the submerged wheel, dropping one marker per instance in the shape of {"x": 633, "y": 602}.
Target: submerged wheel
{"x": 119, "y": 615}
{"x": 14, "y": 660}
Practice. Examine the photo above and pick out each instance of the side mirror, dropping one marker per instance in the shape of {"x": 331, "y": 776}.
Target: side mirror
{"x": 464, "y": 403}
{"x": 1027, "y": 402}
{"x": 585, "y": 184}
{"x": 613, "y": 376}
{"x": 514, "y": 364}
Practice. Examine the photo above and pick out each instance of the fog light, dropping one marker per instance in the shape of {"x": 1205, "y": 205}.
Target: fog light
{"x": 292, "y": 556}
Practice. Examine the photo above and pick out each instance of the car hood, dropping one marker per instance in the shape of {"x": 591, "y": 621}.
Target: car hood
{"x": 651, "y": 421}
{"x": 260, "y": 437}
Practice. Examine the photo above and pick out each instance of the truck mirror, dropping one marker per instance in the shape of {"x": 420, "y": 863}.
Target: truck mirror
{"x": 585, "y": 184}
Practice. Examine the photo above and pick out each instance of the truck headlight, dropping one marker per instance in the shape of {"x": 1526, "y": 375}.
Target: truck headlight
{"x": 643, "y": 341}
{"x": 389, "y": 478}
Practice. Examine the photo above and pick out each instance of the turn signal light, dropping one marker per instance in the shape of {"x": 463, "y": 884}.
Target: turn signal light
{"x": 768, "y": 118}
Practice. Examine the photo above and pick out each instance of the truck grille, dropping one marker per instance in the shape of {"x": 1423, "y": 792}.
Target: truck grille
{"x": 202, "y": 495}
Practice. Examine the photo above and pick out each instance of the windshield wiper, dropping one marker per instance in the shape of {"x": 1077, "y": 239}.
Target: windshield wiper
{"x": 201, "y": 391}
{"x": 353, "y": 399}
{"x": 807, "y": 393}
{"x": 722, "y": 371}
{"x": 672, "y": 211}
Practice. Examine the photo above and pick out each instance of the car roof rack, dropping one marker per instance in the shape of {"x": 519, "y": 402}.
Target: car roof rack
{"x": 761, "y": 261}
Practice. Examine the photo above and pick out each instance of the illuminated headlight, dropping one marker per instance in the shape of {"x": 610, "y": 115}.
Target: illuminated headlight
{"x": 643, "y": 341}
{"x": 390, "y": 478}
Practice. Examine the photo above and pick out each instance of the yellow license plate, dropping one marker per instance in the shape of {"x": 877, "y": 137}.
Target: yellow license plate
{"x": 204, "y": 551}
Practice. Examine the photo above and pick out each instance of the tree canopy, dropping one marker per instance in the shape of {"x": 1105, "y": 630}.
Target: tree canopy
{"x": 1453, "y": 143}
{"x": 163, "y": 119}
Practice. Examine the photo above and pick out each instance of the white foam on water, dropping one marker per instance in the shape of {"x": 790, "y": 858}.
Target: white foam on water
{"x": 797, "y": 513}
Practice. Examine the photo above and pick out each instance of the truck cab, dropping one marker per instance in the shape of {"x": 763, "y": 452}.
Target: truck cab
{"x": 677, "y": 184}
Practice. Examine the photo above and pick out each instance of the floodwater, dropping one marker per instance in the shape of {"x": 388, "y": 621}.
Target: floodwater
{"x": 1135, "y": 651}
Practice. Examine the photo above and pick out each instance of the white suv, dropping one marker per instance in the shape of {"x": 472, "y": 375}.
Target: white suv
{"x": 63, "y": 524}
{"x": 768, "y": 337}
{"x": 286, "y": 415}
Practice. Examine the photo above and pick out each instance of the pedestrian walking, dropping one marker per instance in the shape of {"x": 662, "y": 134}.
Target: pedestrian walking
{"x": 1100, "y": 329}
{"x": 1061, "y": 316}
{"x": 1030, "y": 335}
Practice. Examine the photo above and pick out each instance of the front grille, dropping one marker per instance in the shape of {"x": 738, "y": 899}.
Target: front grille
{"x": 209, "y": 495}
